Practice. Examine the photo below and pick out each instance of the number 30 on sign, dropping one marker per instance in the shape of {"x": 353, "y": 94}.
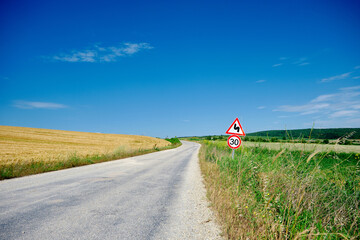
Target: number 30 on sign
{"x": 234, "y": 141}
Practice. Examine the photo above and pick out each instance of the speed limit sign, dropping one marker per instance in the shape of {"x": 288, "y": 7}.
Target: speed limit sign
{"x": 234, "y": 141}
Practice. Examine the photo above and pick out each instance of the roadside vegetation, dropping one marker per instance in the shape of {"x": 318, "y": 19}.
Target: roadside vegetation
{"x": 26, "y": 151}
{"x": 332, "y": 136}
{"x": 283, "y": 194}
{"x": 174, "y": 141}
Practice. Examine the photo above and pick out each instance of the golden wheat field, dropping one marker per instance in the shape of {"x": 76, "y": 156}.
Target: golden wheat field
{"x": 20, "y": 144}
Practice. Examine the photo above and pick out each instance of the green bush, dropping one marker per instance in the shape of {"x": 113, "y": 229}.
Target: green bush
{"x": 260, "y": 139}
{"x": 173, "y": 140}
{"x": 346, "y": 142}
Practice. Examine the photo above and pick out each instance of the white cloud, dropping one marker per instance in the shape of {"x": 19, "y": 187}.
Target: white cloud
{"x": 261, "y": 107}
{"x": 108, "y": 58}
{"x": 285, "y": 60}
{"x": 343, "y": 104}
{"x": 355, "y": 121}
{"x": 132, "y": 48}
{"x": 85, "y": 56}
{"x": 38, "y": 105}
{"x": 350, "y": 88}
{"x": 357, "y": 67}
{"x": 323, "y": 98}
{"x": 303, "y": 109}
{"x": 337, "y": 77}
{"x": 260, "y": 81}
{"x": 357, "y": 77}
{"x": 334, "y": 123}
{"x": 344, "y": 113}
{"x": 301, "y": 62}
{"x": 102, "y": 54}
{"x": 277, "y": 65}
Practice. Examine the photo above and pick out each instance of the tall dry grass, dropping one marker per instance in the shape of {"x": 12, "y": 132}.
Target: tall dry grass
{"x": 271, "y": 194}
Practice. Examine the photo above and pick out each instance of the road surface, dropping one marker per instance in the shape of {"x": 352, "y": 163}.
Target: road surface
{"x": 153, "y": 196}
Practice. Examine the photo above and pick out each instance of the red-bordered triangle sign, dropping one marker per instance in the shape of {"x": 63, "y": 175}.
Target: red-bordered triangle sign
{"x": 236, "y": 128}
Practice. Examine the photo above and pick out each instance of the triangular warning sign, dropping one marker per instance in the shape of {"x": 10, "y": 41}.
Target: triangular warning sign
{"x": 236, "y": 128}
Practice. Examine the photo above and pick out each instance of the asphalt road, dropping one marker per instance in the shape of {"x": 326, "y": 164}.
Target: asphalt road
{"x": 133, "y": 198}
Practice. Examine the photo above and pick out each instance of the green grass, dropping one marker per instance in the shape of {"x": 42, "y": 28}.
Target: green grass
{"x": 271, "y": 194}
{"x": 23, "y": 169}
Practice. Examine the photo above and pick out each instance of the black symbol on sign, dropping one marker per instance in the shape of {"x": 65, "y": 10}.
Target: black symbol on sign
{"x": 234, "y": 142}
{"x": 236, "y": 128}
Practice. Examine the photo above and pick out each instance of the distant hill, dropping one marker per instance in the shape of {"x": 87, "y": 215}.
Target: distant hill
{"x": 324, "y": 133}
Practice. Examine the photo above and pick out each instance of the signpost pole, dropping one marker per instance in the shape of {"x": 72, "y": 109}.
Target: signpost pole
{"x": 233, "y": 151}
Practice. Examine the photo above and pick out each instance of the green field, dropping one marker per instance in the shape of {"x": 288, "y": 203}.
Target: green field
{"x": 283, "y": 194}
{"x": 325, "y": 133}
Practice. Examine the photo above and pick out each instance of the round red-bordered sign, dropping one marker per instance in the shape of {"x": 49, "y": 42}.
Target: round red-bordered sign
{"x": 234, "y": 141}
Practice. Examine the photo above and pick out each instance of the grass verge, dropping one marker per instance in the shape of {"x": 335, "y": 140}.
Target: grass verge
{"x": 20, "y": 169}
{"x": 283, "y": 194}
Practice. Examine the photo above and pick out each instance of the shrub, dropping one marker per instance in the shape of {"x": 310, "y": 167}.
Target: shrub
{"x": 173, "y": 140}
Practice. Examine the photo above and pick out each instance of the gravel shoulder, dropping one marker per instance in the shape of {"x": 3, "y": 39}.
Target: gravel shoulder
{"x": 191, "y": 217}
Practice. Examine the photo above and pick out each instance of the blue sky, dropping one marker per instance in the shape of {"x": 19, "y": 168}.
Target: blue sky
{"x": 179, "y": 68}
